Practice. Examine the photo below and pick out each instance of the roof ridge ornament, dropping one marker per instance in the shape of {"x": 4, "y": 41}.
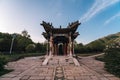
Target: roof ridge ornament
{"x": 72, "y": 27}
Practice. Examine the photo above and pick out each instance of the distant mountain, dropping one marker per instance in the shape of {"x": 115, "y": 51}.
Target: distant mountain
{"x": 107, "y": 39}
{"x": 100, "y": 44}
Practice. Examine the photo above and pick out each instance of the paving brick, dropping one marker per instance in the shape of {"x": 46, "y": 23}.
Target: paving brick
{"x": 9, "y": 75}
{"x": 5, "y": 78}
{"x": 48, "y": 78}
{"x": 31, "y": 68}
{"x": 25, "y": 77}
{"x": 37, "y": 78}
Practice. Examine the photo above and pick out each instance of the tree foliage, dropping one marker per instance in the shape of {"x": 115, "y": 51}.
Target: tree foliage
{"x": 25, "y": 33}
{"x": 30, "y": 48}
{"x": 22, "y": 43}
{"x": 5, "y": 41}
{"x": 40, "y": 47}
{"x": 96, "y": 46}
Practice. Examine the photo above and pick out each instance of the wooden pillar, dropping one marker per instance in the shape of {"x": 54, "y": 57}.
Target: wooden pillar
{"x": 68, "y": 49}
{"x": 73, "y": 46}
{"x": 47, "y": 47}
{"x": 51, "y": 45}
{"x": 65, "y": 48}
{"x": 70, "y": 45}
{"x": 55, "y": 49}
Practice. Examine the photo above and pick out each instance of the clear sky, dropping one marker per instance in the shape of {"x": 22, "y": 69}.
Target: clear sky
{"x": 98, "y": 17}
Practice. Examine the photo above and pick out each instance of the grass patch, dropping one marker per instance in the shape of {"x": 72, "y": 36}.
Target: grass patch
{"x": 86, "y": 54}
{"x": 15, "y": 56}
{"x": 100, "y": 58}
{"x": 4, "y": 71}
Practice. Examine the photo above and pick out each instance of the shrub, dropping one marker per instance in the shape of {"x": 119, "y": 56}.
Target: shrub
{"x": 100, "y": 58}
{"x": 3, "y": 61}
{"x": 112, "y": 60}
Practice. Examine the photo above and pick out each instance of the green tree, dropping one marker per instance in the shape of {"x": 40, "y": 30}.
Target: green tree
{"x": 23, "y": 42}
{"x": 40, "y": 47}
{"x": 30, "y": 48}
{"x": 25, "y": 33}
{"x": 19, "y": 45}
{"x": 5, "y": 41}
{"x": 79, "y": 48}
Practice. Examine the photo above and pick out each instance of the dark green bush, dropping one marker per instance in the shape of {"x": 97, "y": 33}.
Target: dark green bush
{"x": 100, "y": 58}
{"x": 3, "y": 61}
{"x": 112, "y": 61}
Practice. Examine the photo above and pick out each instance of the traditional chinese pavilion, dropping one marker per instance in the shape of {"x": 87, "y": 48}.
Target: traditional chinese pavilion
{"x": 60, "y": 40}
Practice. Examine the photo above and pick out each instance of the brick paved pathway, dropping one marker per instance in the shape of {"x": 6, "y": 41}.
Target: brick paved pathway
{"x": 58, "y": 68}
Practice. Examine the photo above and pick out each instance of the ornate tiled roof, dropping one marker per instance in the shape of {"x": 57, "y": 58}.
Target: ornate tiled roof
{"x": 71, "y": 28}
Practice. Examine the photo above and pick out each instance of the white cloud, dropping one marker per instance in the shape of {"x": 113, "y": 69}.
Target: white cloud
{"x": 112, "y": 18}
{"x": 97, "y": 7}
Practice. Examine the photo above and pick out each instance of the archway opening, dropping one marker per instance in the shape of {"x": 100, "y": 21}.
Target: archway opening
{"x": 60, "y": 45}
{"x": 60, "y": 50}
